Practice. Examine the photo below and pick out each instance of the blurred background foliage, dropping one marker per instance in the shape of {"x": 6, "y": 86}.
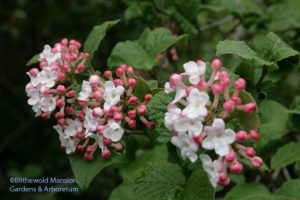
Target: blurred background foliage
{"x": 29, "y": 146}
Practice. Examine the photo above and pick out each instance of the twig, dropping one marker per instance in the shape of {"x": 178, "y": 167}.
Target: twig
{"x": 286, "y": 174}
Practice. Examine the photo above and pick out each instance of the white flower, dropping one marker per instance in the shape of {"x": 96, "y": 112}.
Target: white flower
{"x": 194, "y": 71}
{"x": 197, "y": 101}
{"x": 113, "y": 131}
{"x": 218, "y": 138}
{"x": 66, "y": 141}
{"x": 48, "y": 103}
{"x": 90, "y": 123}
{"x": 33, "y": 93}
{"x": 212, "y": 168}
{"x": 85, "y": 92}
{"x": 180, "y": 93}
{"x": 74, "y": 126}
{"x": 47, "y": 77}
{"x": 193, "y": 127}
{"x": 112, "y": 94}
{"x": 168, "y": 88}
{"x": 172, "y": 116}
{"x": 49, "y": 56}
{"x": 187, "y": 146}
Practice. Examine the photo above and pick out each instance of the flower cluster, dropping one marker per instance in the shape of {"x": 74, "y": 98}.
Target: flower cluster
{"x": 197, "y": 122}
{"x": 96, "y": 115}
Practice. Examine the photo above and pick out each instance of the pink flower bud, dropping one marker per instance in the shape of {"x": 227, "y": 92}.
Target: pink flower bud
{"x": 131, "y": 82}
{"x": 120, "y": 71}
{"x": 79, "y": 148}
{"x": 223, "y": 176}
{"x": 61, "y": 76}
{"x": 64, "y": 67}
{"x": 87, "y": 55}
{"x": 61, "y": 122}
{"x": 123, "y": 66}
{"x": 217, "y": 89}
{"x": 89, "y": 149}
{"x": 59, "y": 115}
{"x": 33, "y": 72}
{"x": 216, "y": 64}
{"x": 80, "y": 135}
{"x": 87, "y": 156}
{"x": 132, "y": 100}
{"x": 80, "y": 68}
{"x": 229, "y": 106}
{"x": 45, "y": 115}
{"x": 132, "y": 123}
{"x": 107, "y": 141}
{"x": 94, "y": 80}
{"x": 256, "y": 162}
{"x": 108, "y": 74}
{"x": 226, "y": 182}
{"x": 141, "y": 109}
{"x": 197, "y": 139}
{"x": 100, "y": 129}
{"x": 114, "y": 109}
{"x": 240, "y": 84}
{"x": 225, "y": 82}
{"x": 118, "y": 146}
{"x": 118, "y": 117}
{"x": 60, "y": 89}
{"x": 97, "y": 95}
{"x": 236, "y": 167}
{"x": 64, "y": 42}
{"x": 148, "y": 97}
{"x": 118, "y": 82}
{"x": 131, "y": 114}
{"x": 223, "y": 75}
{"x": 175, "y": 80}
{"x": 60, "y": 103}
{"x": 230, "y": 156}
{"x": 69, "y": 110}
{"x": 241, "y": 135}
{"x": 129, "y": 71}
{"x": 43, "y": 64}
{"x": 105, "y": 154}
{"x": 250, "y": 152}
{"x": 202, "y": 84}
{"x": 254, "y": 135}
{"x": 237, "y": 100}
{"x": 71, "y": 94}
{"x": 150, "y": 125}
{"x": 250, "y": 107}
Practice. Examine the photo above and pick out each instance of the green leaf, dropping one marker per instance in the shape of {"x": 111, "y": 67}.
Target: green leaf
{"x": 141, "y": 88}
{"x": 92, "y": 42}
{"x": 274, "y": 49}
{"x": 198, "y": 187}
{"x": 242, "y": 7}
{"x": 133, "y": 11}
{"x": 152, "y": 84}
{"x": 33, "y": 60}
{"x": 131, "y": 53}
{"x": 157, "y": 108}
{"x": 85, "y": 171}
{"x": 241, "y": 49}
{"x": 164, "y": 180}
{"x": 159, "y": 40}
{"x": 274, "y": 119}
{"x": 290, "y": 188}
{"x": 295, "y": 106}
{"x": 159, "y": 180}
{"x": 241, "y": 191}
{"x": 286, "y": 155}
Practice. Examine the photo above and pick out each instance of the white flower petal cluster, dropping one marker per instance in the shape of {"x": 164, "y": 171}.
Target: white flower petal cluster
{"x": 218, "y": 138}
{"x": 194, "y": 71}
{"x": 43, "y": 80}
{"x": 212, "y": 168}
{"x": 112, "y": 95}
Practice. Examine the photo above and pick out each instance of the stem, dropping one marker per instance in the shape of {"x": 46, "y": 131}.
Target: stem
{"x": 286, "y": 174}
{"x": 262, "y": 77}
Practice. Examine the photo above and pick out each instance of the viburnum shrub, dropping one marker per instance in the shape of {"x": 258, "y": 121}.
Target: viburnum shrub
{"x": 198, "y": 118}
{"x": 90, "y": 113}
{"x": 179, "y": 136}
